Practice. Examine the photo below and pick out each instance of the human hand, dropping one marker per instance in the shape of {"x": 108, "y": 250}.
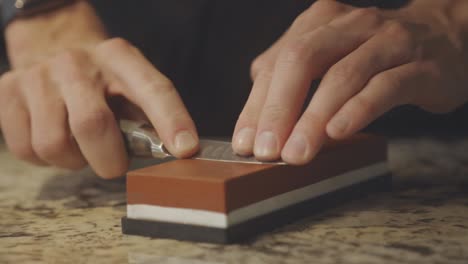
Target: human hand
{"x": 370, "y": 60}
{"x": 55, "y": 103}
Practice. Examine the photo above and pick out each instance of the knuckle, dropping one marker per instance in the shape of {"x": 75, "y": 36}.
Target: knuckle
{"x": 68, "y": 58}
{"x": 91, "y": 122}
{"x": 70, "y": 65}
{"x": 295, "y": 51}
{"x": 403, "y": 53}
{"x": 248, "y": 117}
{"x": 51, "y": 147}
{"x": 275, "y": 113}
{"x": 310, "y": 117}
{"x": 328, "y": 6}
{"x": 35, "y": 75}
{"x": 404, "y": 47}
{"x": 363, "y": 104}
{"x": 159, "y": 86}
{"x": 263, "y": 76}
{"x": 115, "y": 44}
{"x": 261, "y": 69}
{"x": 301, "y": 20}
{"x": 250, "y": 114}
{"x": 76, "y": 78}
{"x": 371, "y": 15}
{"x": 386, "y": 81}
{"x": 302, "y": 49}
{"x": 341, "y": 73}
{"x": 74, "y": 69}
{"x": 398, "y": 31}
{"x": 261, "y": 63}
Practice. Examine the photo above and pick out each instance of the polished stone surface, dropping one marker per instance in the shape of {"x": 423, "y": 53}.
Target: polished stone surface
{"x": 52, "y": 216}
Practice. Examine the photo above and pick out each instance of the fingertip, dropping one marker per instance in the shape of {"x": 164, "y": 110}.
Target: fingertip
{"x": 291, "y": 160}
{"x": 77, "y": 159}
{"x": 115, "y": 166}
{"x": 185, "y": 144}
{"x": 338, "y": 127}
{"x": 266, "y": 147}
{"x": 77, "y": 164}
{"x": 38, "y": 162}
{"x": 333, "y": 133}
{"x": 295, "y": 149}
{"x": 243, "y": 142}
{"x": 119, "y": 169}
{"x": 298, "y": 151}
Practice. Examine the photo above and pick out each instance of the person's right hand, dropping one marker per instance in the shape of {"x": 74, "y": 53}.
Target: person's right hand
{"x": 55, "y": 110}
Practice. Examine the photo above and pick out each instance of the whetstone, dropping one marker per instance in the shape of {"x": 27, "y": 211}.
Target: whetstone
{"x": 223, "y": 202}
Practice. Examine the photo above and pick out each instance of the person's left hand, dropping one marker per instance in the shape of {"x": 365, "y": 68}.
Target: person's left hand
{"x": 370, "y": 62}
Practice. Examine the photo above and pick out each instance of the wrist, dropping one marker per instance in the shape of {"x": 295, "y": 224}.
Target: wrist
{"x": 29, "y": 39}
{"x": 13, "y": 9}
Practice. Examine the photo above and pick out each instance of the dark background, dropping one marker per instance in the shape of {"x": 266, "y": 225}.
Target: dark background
{"x": 206, "y": 47}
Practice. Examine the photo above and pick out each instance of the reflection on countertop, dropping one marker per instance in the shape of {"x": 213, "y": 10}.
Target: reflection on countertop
{"x": 53, "y": 216}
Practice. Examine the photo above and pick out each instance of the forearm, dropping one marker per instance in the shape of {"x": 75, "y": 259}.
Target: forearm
{"x": 74, "y": 26}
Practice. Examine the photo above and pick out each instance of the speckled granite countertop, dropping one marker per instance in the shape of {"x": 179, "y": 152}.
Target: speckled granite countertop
{"x": 51, "y": 216}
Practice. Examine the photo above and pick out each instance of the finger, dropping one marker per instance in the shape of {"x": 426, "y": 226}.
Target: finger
{"x": 318, "y": 14}
{"x": 302, "y": 61}
{"x": 123, "y": 109}
{"x": 244, "y": 133}
{"x": 91, "y": 121}
{"x": 15, "y": 121}
{"x": 135, "y": 78}
{"x": 345, "y": 79}
{"x": 349, "y": 75}
{"x": 386, "y": 90}
{"x": 246, "y": 126}
{"x": 51, "y": 136}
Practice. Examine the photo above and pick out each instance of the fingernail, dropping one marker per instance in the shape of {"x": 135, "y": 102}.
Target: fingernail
{"x": 266, "y": 145}
{"x": 184, "y": 142}
{"x": 245, "y": 140}
{"x": 338, "y": 125}
{"x": 296, "y": 149}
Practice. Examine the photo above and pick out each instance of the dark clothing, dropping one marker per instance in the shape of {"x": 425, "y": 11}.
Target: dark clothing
{"x": 206, "y": 46}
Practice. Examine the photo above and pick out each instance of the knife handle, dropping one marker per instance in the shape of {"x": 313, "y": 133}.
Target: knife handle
{"x": 141, "y": 140}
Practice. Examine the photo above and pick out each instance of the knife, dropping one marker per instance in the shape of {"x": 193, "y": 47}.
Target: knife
{"x": 141, "y": 140}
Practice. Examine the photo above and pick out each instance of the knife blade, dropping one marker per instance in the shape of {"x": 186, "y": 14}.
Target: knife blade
{"x": 141, "y": 140}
